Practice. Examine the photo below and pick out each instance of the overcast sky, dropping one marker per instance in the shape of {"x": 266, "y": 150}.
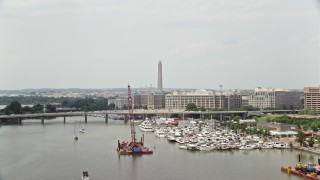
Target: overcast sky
{"x": 201, "y": 43}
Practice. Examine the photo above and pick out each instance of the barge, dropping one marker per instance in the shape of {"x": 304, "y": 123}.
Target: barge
{"x": 133, "y": 147}
{"x": 302, "y": 172}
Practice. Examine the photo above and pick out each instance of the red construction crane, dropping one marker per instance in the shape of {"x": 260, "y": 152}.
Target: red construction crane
{"x": 130, "y": 108}
{"x": 133, "y": 147}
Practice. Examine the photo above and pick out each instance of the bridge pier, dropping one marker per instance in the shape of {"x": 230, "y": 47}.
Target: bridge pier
{"x": 125, "y": 118}
{"x": 20, "y": 120}
{"x": 221, "y": 118}
{"x": 106, "y": 118}
{"x": 64, "y": 119}
{"x": 85, "y": 118}
{"x": 42, "y": 120}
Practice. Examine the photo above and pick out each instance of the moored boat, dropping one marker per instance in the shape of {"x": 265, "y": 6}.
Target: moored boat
{"x": 85, "y": 175}
{"x": 247, "y": 147}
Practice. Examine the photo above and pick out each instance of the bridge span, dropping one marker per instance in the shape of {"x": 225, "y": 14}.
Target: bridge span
{"x": 157, "y": 112}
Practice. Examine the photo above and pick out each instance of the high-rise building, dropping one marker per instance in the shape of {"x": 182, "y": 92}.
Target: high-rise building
{"x": 274, "y": 98}
{"x": 160, "y": 87}
{"x": 312, "y": 98}
{"x": 206, "y": 99}
{"x": 148, "y": 100}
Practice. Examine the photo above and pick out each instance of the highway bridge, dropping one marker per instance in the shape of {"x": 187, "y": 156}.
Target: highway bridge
{"x": 157, "y": 112}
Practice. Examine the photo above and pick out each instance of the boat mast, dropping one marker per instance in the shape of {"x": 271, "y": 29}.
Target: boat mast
{"x": 133, "y": 131}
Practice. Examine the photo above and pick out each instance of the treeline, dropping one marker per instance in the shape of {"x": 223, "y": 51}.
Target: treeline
{"x": 304, "y": 123}
{"x": 87, "y": 104}
{"x": 80, "y": 104}
{"x": 6, "y": 100}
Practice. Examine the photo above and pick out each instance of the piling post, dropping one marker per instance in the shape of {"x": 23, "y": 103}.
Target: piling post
{"x": 20, "y": 120}
{"x": 106, "y": 118}
{"x": 64, "y": 119}
{"x": 85, "y": 118}
{"x": 42, "y": 120}
{"x": 125, "y": 118}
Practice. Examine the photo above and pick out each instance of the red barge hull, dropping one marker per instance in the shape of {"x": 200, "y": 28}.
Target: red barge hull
{"x": 298, "y": 173}
{"x": 134, "y": 153}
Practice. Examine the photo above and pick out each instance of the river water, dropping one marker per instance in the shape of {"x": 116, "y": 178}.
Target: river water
{"x": 34, "y": 151}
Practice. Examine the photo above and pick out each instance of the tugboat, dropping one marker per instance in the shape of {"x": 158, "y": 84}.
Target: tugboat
{"x": 133, "y": 147}
{"x": 85, "y": 175}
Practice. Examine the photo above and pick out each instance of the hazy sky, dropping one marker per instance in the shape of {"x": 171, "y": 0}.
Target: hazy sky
{"x": 201, "y": 43}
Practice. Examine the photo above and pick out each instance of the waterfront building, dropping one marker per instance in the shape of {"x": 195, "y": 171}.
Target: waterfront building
{"x": 250, "y": 122}
{"x": 312, "y": 98}
{"x": 119, "y": 101}
{"x": 274, "y": 98}
{"x": 279, "y": 127}
{"x": 148, "y": 100}
{"x": 203, "y": 98}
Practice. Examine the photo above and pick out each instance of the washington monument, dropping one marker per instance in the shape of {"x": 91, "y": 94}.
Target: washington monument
{"x": 160, "y": 87}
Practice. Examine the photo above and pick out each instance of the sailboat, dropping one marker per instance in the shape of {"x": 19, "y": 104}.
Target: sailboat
{"x": 82, "y": 130}
{"x": 75, "y": 137}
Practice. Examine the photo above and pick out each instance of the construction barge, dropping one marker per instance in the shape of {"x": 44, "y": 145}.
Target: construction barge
{"x": 129, "y": 148}
{"x": 133, "y": 147}
{"x": 300, "y": 172}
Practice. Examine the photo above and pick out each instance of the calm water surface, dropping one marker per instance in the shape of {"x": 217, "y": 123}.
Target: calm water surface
{"x": 48, "y": 152}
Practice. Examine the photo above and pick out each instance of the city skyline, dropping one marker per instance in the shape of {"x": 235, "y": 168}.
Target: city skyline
{"x": 110, "y": 44}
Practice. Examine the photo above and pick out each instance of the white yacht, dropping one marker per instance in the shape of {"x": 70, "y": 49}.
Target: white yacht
{"x": 160, "y": 133}
{"x": 191, "y": 146}
{"x": 205, "y": 147}
{"x": 183, "y": 146}
{"x": 171, "y": 138}
{"x": 146, "y": 126}
{"x": 247, "y": 147}
{"x": 267, "y": 145}
{"x": 283, "y": 146}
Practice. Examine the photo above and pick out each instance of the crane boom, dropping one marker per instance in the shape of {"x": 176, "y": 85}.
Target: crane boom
{"x": 130, "y": 108}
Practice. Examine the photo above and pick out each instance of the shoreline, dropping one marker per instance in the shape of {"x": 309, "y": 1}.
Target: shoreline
{"x": 307, "y": 149}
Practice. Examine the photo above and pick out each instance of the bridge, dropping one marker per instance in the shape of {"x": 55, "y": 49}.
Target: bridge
{"x": 157, "y": 112}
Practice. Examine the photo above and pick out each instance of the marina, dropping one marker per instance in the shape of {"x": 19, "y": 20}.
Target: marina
{"x": 42, "y": 147}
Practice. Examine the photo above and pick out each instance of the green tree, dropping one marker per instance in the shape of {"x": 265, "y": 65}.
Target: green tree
{"x": 236, "y": 118}
{"x": 300, "y": 137}
{"x": 38, "y": 108}
{"x": 13, "y": 108}
{"x": 311, "y": 142}
{"x": 305, "y": 126}
{"x": 112, "y": 106}
{"x": 50, "y": 108}
{"x": 191, "y": 107}
{"x": 314, "y": 126}
{"x": 27, "y": 109}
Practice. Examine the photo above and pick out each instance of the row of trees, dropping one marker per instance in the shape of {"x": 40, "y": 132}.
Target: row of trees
{"x": 15, "y": 108}
{"x": 303, "y": 140}
{"x": 6, "y": 100}
{"x": 234, "y": 125}
{"x": 304, "y": 123}
{"x": 81, "y": 104}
